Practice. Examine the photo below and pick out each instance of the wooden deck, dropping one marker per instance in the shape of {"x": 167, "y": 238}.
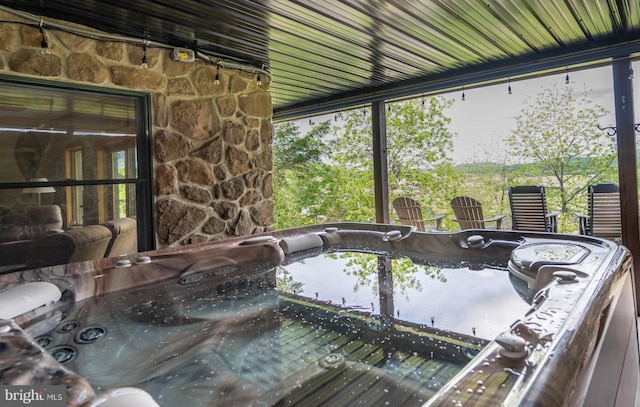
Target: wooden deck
{"x": 353, "y": 372}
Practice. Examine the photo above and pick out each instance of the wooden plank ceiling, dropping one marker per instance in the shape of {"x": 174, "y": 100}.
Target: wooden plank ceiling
{"x": 329, "y": 54}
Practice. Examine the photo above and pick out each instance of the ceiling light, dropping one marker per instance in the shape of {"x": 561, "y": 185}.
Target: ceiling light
{"x": 182, "y": 55}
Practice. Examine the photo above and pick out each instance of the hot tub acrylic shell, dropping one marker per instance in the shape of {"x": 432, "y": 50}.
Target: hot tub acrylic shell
{"x": 579, "y": 335}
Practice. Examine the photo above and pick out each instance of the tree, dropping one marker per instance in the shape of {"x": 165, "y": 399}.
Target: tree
{"x": 297, "y": 169}
{"x": 293, "y": 151}
{"x": 418, "y": 142}
{"x": 559, "y": 133}
{"x": 327, "y": 174}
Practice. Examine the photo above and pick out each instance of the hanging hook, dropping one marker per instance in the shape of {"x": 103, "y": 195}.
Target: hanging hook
{"x": 611, "y": 130}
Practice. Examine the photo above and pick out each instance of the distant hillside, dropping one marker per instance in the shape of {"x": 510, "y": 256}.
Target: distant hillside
{"x": 489, "y": 168}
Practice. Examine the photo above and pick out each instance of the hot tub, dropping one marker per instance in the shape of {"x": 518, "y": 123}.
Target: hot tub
{"x": 337, "y": 314}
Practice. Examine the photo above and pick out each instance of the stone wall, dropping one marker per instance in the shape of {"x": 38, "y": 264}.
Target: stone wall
{"x": 212, "y": 142}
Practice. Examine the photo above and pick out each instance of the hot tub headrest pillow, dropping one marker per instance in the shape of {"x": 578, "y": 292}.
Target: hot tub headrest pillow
{"x": 299, "y": 243}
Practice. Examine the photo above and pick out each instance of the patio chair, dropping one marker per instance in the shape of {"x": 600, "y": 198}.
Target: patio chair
{"x": 529, "y": 210}
{"x": 468, "y": 214}
{"x": 410, "y": 213}
{"x": 603, "y": 218}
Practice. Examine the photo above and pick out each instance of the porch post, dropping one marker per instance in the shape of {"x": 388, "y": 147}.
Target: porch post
{"x": 380, "y": 171}
{"x": 627, "y": 166}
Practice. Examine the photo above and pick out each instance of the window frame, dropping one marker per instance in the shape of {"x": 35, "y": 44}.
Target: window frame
{"x": 142, "y": 183}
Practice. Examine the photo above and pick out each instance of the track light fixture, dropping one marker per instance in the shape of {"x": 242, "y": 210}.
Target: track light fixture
{"x": 463, "y": 98}
{"x": 180, "y": 54}
{"x": 509, "y": 87}
{"x": 566, "y": 78}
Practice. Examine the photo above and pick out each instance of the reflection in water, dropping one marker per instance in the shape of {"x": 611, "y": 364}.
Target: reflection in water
{"x": 364, "y": 267}
{"x": 286, "y": 282}
{"x": 463, "y": 300}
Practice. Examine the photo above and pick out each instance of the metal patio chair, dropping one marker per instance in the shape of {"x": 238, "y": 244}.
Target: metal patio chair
{"x": 468, "y": 214}
{"x": 529, "y": 210}
{"x": 409, "y": 212}
{"x": 603, "y": 218}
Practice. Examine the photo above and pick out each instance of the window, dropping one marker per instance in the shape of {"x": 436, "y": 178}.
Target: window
{"x": 73, "y": 167}
{"x": 85, "y": 150}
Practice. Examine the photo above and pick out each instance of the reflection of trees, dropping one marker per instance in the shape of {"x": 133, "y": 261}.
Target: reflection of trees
{"x": 364, "y": 266}
{"x": 405, "y": 275}
{"x": 285, "y": 281}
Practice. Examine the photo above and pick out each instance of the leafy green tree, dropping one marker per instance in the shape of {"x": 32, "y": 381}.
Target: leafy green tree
{"x": 559, "y": 133}
{"x": 327, "y": 174}
{"x": 418, "y": 142}
{"x": 309, "y": 187}
{"x": 295, "y": 151}
{"x": 297, "y": 174}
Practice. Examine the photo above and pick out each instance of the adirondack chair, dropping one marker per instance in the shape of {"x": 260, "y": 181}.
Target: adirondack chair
{"x": 409, "y": 212}
{"x": 529, "y": 210}
{"x": 468, "y": 214}
{"x": 603, "y": 218}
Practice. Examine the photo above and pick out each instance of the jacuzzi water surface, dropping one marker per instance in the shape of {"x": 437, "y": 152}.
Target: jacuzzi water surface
{"x": 192, "y": 343}
{"x": 346, "y": 314}
{"x": 485, "y": 302}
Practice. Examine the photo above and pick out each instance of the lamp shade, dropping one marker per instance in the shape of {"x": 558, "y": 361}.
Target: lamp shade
{"x": 38, "y": 190}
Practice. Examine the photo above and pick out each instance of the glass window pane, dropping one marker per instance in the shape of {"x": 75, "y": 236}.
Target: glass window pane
{"x": 69, "y": 159}
{"x": 39, "y": 125}
{"x": 80, "y": 205}
{"x": 39, "y": 214}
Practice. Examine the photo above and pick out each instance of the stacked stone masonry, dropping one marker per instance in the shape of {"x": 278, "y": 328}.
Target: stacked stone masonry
{"x": 211, "y": 142}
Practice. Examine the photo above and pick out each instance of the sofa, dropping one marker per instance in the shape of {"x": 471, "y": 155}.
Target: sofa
{"x": 124, "y": 236}
{"x": 20, "y": 226}
{"x": 110, "y": 239}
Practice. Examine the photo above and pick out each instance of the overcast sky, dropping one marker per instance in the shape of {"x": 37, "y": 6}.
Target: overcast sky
{"x": 487, "y": 115}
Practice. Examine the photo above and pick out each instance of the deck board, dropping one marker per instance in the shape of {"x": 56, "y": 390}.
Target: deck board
{"x": 403, "y": 375}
